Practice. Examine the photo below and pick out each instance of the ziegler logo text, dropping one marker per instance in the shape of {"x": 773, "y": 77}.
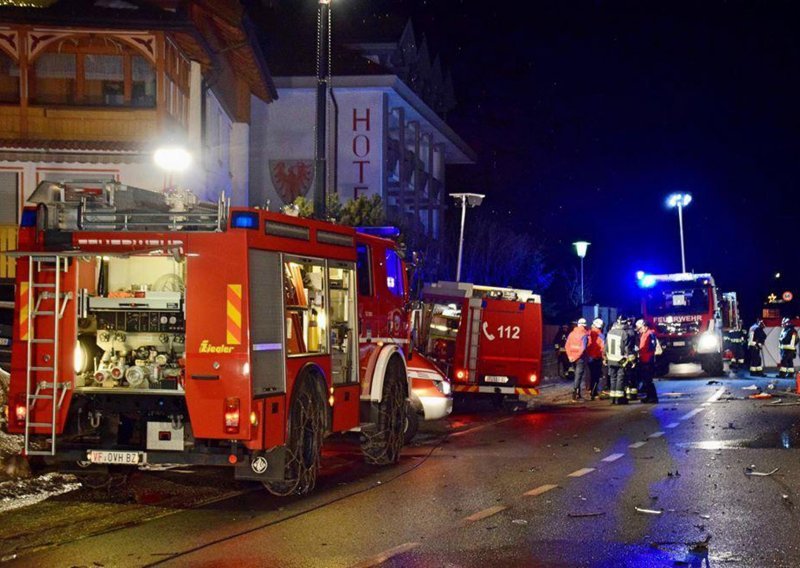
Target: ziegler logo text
{"x": 206, "y": 347}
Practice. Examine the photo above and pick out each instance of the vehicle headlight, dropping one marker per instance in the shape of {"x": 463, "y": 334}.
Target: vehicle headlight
{"x": 443, "y": 387}
{"x": 708, "y": 342}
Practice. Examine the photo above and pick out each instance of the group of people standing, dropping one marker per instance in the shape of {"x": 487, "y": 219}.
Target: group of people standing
{"x": 625, "y": 357}
{"x": 787, "y": 343}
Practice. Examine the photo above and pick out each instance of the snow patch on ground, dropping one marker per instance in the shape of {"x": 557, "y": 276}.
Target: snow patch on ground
{"x": 19, "y": 493}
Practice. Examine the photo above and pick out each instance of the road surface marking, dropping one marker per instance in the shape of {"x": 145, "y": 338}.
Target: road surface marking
{"x": 481, "y": 427}
{"x": 691, "y": 413}
{"x": 656, "y": 435}
{"x": 673, "y": 425}
{"x": 612, "y": 457}
{"x": 715, "y": 397}
{"x": 581, "y": 472}
{"x": 386, "y": 555}
{"x": 705, "y": 404}
{"x": 637, "y": 444}
{"x": 486, "y": 513}
{"x": 541, "y": 489}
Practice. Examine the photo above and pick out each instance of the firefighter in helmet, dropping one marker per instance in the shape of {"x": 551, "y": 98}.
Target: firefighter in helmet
{"x": 788, "y": 345}
{"x": 595, "y": 351}
{"x": 646, "y": 349}
{"x": 756, "y": 336}
{"x": 620, "y": 355}
{"x": 577, "y": 342}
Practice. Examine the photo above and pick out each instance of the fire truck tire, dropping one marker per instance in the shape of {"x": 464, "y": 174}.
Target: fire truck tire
{"x": 307, "y": 419}
{"x": 382, "y": 443}
{"x": 412, "y": 424}
{"x": 713, "y": 365}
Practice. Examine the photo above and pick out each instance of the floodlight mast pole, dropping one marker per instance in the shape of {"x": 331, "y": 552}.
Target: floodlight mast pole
{"x": 680, "y": 226}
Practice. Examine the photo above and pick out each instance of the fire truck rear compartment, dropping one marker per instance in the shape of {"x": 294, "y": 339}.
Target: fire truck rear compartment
{"x": 131, "y": 331}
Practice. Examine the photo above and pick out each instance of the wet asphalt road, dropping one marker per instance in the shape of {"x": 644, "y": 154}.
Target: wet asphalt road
{"x": 556, "y": 485}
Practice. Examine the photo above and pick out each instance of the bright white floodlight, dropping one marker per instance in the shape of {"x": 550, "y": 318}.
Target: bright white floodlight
{"x": 680, "y": 200}
{"x": 173, "y": 158}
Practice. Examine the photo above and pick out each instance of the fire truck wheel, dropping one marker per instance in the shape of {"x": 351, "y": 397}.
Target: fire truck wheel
{"x": 713, "y": 365}
{"x": 307, "y": 418}
{"x": 412, "y": 424}
{"x": 381, "y": 444}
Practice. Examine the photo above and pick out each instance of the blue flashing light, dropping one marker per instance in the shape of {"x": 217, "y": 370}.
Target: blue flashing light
{"x": 639, "y": 274}
{"x": 28, "y": 218}
{"x": 647, "y": 281}
{"x": 244, "y": 220}
{"x": 385, "y": 232}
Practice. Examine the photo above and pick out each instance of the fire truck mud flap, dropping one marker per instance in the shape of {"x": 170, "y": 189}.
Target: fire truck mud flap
{"x": 262, "y": 466}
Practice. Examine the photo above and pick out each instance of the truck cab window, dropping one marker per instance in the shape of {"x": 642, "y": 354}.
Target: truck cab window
{"x": 363, "y": 272}
{"x": 394, "y": 273}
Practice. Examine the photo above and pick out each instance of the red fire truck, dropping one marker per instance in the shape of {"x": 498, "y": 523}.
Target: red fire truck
{"x": 487, "y": 340}
{"x": 156, "y": 329}
{"x": 684, "y": 309}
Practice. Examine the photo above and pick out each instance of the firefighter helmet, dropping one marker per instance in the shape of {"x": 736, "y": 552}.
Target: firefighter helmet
{"x": 598, "y": 323}
{"x": 785, "y": 322}
{"x": 640, "y": 324}
{"x": 582, "y": 322}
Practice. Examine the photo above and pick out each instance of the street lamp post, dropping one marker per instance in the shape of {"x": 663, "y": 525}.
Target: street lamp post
{"x": 581, "y": 247}
{"x": 323, "y": 77}
{"x": 466, "y": 200}
{"x": 680, "y": 200}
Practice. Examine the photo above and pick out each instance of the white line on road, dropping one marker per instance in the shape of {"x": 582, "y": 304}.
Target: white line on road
{"x": 386, "y": 555}
{"x": 481, "y": 427}
{"x": 485, "y": 513}
{"x": 612, "y": 457}
{"x": 541, "y": 489}
{"x": 673, "y": 425}
{"x": 705, "y": 404}
{"x": 637, "y": 444}
{"x": 656, "y": 435}
{"x": 581, "y": 472}
{"x": 715, "y": 397}
{"x": 692, "y": 413}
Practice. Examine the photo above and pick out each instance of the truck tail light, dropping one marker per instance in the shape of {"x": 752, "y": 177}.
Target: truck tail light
{"x": 462, "y": 374}
{"x": 232, "y": 415}
{"x": 533, "y": 378}
{"x": 20, "y": 411}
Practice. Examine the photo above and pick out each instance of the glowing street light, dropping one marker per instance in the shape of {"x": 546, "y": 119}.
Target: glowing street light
{"x": 466, "y": 200}
{"x": 680, "y": 200}
{"x": 581, "y": 247}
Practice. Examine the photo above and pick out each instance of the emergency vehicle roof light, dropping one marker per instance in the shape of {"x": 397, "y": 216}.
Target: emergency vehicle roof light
{"x": 647, "y": 281}
{"x": 244, "y": 220}
{"x": 386, "y": 232}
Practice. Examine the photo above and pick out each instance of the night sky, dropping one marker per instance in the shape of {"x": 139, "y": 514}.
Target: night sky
{"x": 586, "y": 115}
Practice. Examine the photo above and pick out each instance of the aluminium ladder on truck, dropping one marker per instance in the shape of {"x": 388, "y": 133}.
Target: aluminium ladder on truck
{"x": 45, "y": 299}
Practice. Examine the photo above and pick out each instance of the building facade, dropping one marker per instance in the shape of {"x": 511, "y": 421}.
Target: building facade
{"x": 88, "y": 90}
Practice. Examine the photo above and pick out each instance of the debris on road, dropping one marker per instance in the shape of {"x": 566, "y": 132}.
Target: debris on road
{"x": 649, "y": 511}
{"x": 519, "y": 522}
{"x": 760, "y": 395}
{"x": 581, "y": 515}
{"x": 753, "y": 473}
{"x": 676, "y": 474}
{"x": 713, "y": 382}
{"x": 705, "y": 517}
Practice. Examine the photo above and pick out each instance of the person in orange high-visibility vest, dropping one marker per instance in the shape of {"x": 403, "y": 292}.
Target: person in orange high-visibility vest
{"x": 577, "y": 342}
{"x": 647, "y": 361}
{"x": 595, "y": 351}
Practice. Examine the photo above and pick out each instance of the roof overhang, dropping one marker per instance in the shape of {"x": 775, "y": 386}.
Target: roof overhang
{"x": 400, "y": 95}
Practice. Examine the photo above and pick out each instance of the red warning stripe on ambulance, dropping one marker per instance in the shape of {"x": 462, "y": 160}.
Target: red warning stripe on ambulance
{"x": 234, "y": 329}
{"x": 24, "y": 311}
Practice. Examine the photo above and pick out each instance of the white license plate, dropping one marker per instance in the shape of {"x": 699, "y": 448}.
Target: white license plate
{"x": 117, "y": 458}
{"x": 678, "y": 343}
{"x": 495, "y": 379}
